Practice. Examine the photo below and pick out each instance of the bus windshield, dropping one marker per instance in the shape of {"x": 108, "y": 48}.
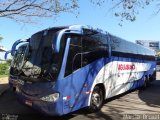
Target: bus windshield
{"x": 19, "y": 56}
{"x": 40, "y": 63}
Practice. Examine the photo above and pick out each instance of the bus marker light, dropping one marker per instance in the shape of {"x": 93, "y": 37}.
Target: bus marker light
{"x": 88, "y": 92}
{"x": 29, "y": 103}
{"x": 85, "y": 85}
{"x": 66, "y": 98}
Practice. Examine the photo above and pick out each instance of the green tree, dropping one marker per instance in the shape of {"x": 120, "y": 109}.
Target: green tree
{"x": 4, "y": 69}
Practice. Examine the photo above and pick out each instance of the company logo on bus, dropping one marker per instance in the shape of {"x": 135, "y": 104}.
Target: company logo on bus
{"x": 126, "y": 67}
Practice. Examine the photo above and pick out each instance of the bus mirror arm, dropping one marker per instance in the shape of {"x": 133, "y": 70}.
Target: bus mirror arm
{"x": 56, "y": 41}
{"x": 16, "y": 43}
{"x": 6, "y": 54}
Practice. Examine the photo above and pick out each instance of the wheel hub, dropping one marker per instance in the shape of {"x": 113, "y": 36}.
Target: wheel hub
{"x": 96, "y": 99}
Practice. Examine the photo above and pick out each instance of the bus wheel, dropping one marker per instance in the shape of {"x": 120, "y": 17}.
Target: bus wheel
{"x": 96, "y": 99}
{"x": 152, "y": 77}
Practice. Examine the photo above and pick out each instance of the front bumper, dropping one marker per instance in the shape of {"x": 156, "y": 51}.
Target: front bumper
{"x": 48, "y": 108}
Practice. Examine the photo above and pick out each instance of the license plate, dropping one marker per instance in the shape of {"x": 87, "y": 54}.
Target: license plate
{"x": 29, "y": 103}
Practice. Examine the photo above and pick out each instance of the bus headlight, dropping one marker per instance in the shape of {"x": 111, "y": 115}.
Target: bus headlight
{"x": 51, "y": 98}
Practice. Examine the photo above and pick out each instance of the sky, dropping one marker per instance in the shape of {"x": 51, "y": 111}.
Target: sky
{"x": 146, "y": 26}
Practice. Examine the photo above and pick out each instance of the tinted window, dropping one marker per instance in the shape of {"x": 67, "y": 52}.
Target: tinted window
{"x": 94, "y": 48}
{"x": 84, "y": 50}
{"x": 74, "y": 55}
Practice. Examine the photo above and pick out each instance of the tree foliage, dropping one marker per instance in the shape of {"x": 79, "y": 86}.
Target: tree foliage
{"x": 4, "y": 68}
{"x": 130, "y": 8}
{"x": 27, "y": 10}
{"x": 126, "y": 9}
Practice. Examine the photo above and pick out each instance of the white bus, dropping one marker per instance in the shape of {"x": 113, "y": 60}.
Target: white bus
{"x": 63, "y": 69}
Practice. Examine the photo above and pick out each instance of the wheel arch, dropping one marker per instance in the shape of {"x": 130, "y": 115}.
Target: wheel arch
{"x": 101, "y": 85}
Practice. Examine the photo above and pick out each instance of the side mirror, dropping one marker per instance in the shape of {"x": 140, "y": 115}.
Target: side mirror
{"x": 15, "y": 45}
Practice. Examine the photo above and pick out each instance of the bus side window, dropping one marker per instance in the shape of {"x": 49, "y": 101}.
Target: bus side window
{"x": 93, "y": 49}
{"x": 74, "y": 55}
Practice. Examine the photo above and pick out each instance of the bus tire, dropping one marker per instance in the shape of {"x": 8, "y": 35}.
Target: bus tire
{"x": 13, "y": 89}
{"x": 97, "y": 99}
{"x": 145, "y": 85}
{"x": 152, "y": 77}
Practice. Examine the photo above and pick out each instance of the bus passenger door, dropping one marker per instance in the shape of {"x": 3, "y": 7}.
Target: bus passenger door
{"x": 74, "y": 77}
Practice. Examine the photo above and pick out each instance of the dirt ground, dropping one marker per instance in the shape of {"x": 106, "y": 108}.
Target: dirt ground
{"x": 3, "y": 84}
{"x": 4, "y": 80}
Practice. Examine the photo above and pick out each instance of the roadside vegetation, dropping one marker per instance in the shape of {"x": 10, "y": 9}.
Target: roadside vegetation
{"x": 4, "y": 68}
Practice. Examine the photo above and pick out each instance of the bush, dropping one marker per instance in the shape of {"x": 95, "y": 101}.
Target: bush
{"x": 4, "y": 69}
